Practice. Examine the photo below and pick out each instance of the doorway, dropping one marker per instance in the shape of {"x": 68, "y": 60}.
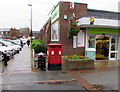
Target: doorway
{"x": 102, "y": 47}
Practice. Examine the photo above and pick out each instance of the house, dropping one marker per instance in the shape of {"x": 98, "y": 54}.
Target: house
{"x": 4, "y": 31}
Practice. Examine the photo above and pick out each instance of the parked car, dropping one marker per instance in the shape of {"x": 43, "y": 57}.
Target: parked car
{"x": 14, "y": 42}
{"x": 6, "y": 52}
{"x": 18, "y": 42}
{"x": 1, "y": 56}
{"x": 9, "y": 44}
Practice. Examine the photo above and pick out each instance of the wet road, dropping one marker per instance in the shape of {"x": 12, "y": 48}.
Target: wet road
{"x": 19, "y": 76}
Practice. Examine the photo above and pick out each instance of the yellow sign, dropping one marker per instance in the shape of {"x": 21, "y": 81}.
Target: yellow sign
{"x": 91, "y": 20}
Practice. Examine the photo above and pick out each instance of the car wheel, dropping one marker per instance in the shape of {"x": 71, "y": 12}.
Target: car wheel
{"x": 2, "y": 56}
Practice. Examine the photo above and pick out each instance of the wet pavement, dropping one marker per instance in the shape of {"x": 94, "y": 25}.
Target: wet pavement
{"x": 20, "y": 62}
{"x": 107, "y": 79}
{"x": 2, "y": 67}
{"x": 19, "y": 76}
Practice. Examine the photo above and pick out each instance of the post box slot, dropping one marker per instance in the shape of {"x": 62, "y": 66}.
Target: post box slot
{"x": 52, "y": 47}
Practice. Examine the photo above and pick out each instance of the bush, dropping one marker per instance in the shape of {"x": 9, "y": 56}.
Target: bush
{"x": 38, "y": 46}
{"x": 36, "y": 43}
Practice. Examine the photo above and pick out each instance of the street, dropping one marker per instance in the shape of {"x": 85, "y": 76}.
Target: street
{"x": 19, "y": 76}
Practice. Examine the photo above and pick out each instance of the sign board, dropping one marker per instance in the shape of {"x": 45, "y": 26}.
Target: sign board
{"x": 81, "y": 41}
{"x": 55, "y": 31}
{"x": 74, "y": 41}
{"x": 55, "y": 14}
{"x": 91, "y": 20}
{"x": 71, "y": 5}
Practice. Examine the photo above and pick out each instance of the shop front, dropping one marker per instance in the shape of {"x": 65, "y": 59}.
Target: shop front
{"x": 102, "y": 38}
{"x": 102, "y": 43}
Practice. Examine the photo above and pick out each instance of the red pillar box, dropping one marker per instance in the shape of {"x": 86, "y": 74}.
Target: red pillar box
{"x": 54, "y": 56}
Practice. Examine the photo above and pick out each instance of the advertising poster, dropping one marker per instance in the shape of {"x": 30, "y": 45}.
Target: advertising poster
{"x": 81, "y": 42}
{"x": 55, "y": 32}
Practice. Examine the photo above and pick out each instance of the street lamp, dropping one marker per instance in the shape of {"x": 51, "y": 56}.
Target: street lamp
{"x": 31, "y": 34}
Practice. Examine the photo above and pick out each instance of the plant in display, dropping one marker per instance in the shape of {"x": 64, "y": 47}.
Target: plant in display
{"x": 76, "y": 61}
{"x": 73, "y": 28}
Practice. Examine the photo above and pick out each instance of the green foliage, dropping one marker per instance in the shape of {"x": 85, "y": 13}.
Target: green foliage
{"x": 73, "y": 28}
{"x": 38, "y": 46}
{"x": 36, "y": 43}
{"x": 75, "y": 57}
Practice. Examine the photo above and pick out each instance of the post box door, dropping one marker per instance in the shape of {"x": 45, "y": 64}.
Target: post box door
{"x": 58, "y": 55}
{"x": 55, "y": 55}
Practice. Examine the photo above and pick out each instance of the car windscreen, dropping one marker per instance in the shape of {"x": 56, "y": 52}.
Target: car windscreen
{"x": 8, "y": 43}
{"x": 11, "y": 42}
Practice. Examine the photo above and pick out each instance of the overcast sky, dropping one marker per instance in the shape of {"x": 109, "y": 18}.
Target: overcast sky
{"x": 16, "y": 13}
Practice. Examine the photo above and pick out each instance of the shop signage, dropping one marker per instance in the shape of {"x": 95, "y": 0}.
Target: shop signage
{"x": 91, "y": 20}
{"x": 71, "y": 5}
{"x": 81, "y": 41}
{"x": 74, "y": 41}
{"x": 55, "y": 14}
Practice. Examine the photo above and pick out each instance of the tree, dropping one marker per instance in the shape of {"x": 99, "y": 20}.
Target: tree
{"x": 14, "y": 33}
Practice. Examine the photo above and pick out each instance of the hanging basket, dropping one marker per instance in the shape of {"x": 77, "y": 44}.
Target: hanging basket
{"x": 73, "y": 28}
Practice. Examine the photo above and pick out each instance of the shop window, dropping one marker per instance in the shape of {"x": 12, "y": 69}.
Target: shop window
{"x": 114, "y": 55}
{"x": 114, "y": 44}
{"x": 91, "y": 41}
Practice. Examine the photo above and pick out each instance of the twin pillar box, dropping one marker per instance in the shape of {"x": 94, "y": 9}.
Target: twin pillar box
{"x": 54, "y": 56}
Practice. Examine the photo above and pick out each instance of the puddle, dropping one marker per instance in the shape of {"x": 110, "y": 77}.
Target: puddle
{"x": 59, "y": 83}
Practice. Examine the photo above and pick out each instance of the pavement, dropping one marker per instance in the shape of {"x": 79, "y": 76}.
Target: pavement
{"x": 19, "y": 75}
{"x": 2, "y": 67}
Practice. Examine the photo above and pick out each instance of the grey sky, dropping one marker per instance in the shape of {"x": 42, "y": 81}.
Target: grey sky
{"x": 16, "y": 13}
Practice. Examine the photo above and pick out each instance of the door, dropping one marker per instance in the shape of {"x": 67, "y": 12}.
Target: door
{"x": 90, "y": 50}
{"x": 102, "y": 47}
{"x": 113, "y": 49}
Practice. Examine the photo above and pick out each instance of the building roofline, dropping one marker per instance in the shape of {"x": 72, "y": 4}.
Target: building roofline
{"x": 74, "y": 2}
{"x": 104, "y": 11}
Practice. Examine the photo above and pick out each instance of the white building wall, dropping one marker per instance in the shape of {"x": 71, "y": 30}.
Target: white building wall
{"x": 119, "y": 47}
{"x": 98, "y": 22}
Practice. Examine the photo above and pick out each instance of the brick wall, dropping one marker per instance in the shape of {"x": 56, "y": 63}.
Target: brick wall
{"x": 80, "y": 10}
